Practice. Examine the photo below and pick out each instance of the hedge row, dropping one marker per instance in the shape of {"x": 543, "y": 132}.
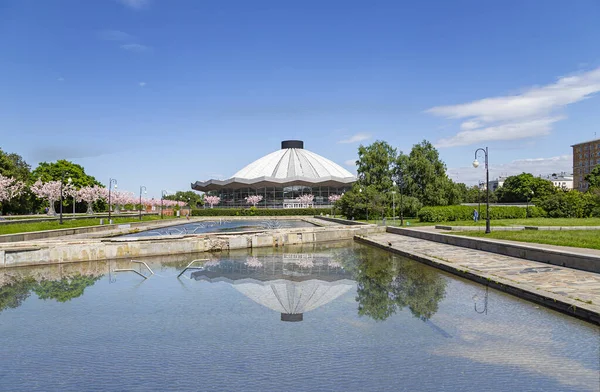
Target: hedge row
{"x": 463, "y": 213}
{"x": 260, "y": 211}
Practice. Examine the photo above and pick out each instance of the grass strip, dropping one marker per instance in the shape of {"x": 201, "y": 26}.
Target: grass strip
{"x": 576, "y": 238}
{"x": 67, "y": 224}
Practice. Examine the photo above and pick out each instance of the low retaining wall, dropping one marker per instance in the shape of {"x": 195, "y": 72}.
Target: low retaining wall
{"x": 115, "y": 248}
{"x": 340, "y": 220}
{"x": 67, "y": 216}
{"x": 516, "y": 228}
{"x": 550, "y": 256}
{"x": 46, "y": 234}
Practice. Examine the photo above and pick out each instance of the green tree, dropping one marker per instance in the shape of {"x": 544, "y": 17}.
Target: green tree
{"x": 13, "y": 165}
{"x": 191, "y": 197}
{"x": 422, "y": 174}
{"x": 523, "y": 188}
{"x": 65, "y": 289}
{"x": 375, "y": 165}
{"x": 53, "y": 171}
{"x": 594, "y": 178}
{"x": 568, "y": 204}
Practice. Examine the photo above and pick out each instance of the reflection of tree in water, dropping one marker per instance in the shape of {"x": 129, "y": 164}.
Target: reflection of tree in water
{"x": 387, "y": 284}
{"x": 13, "y": 294}
{"x": 65, "y": 289}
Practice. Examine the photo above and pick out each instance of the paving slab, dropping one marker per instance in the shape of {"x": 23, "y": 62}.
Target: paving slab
{"x": 568, "y": 290}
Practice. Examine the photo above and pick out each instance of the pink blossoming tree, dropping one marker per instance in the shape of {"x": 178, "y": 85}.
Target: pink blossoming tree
{"x": 9, "y": 188}
{"x": 89, "y": 195}
{"x": 306, "y": 200}
{"x": 254, "y": 200}
{"x": 212, "y": 200}
{"x": 51, "y": 192}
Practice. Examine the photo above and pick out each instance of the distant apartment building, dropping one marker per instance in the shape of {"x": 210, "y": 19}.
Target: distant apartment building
{"x": 586, "y": 156}
{"x": 561, "y": 180}
{"x": 493, "y": 184}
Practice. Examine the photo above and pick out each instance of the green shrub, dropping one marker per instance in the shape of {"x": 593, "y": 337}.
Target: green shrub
{"x": 463, "y": 213}
{"x": 569, "y": 204}
{"x": 260, "y": 211}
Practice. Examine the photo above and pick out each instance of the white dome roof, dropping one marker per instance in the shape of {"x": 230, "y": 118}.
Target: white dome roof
{"x": 292, "y": 162}
{"x": 292, "y": 165}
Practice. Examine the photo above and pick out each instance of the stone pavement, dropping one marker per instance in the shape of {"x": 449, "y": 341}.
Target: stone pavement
{"x": 569, "y": 290}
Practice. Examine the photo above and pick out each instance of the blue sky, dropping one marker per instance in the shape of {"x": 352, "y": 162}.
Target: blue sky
{"x": 163, "y": 93}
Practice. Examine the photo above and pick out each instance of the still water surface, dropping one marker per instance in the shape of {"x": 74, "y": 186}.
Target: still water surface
{"x": 329, "y": 317}
{"x": 223, "y": 225}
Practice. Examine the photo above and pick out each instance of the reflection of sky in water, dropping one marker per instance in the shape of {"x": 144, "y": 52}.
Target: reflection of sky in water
{"x": 224, "y": 226}
{"x": 170, "y": 334}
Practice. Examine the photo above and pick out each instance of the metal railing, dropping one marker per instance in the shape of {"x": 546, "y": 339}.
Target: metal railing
{"x": 189, "y": 266}
{"x": 137, "y": 272}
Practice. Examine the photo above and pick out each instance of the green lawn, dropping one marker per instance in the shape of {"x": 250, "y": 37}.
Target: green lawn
{"x": 576, "y": 238}
{"x": 68, "y": 223}
{"x": 502, "y": 222}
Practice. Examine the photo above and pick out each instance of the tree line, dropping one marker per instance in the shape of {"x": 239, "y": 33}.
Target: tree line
{"x": 419, "y": 179}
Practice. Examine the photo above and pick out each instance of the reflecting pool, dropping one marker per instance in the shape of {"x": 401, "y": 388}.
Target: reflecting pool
{"x": 327, "y": 317}
{"x": 224, "y": 226}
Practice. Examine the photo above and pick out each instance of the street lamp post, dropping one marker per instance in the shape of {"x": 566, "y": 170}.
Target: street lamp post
{"x": 528, "y": 201}
{"x": 162, "y": 196}
{"x": 487, "y": 187}
{"x": 479, "y": 198}
{"x": 394, "y": 201}
{"x": 110, "y": 182}
{"x": 360, "y": 190}
{"x": 62, "y": 180}
{"x": 145, "y": 191}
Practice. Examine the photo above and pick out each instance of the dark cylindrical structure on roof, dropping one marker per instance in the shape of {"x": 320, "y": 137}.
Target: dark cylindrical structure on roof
{"x": 292, "y": 144}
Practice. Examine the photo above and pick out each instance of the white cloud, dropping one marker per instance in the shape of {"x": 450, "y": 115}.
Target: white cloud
{"x": 502, "y": 131}
{"x": 519, "y": 116}
{"x": 350, "y": 162}
{"x": 359, "y": 137}
{"x": 135, "y": 4}
{"x": 136, "y": 48}
{"x": 535, "y": 166}
{"x": 115, "y": 35}
{"x": 142, "y": 84}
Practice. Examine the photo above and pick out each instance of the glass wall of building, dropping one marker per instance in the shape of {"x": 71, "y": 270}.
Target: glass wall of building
{"x": 277, "y": 197}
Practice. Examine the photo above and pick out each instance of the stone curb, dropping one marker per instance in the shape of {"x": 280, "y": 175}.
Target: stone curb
{"x": 580, "y": 261}
{"x": 564, "y": 305}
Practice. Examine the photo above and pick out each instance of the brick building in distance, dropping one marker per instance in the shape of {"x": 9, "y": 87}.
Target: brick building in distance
{"x": 586, "y": 156}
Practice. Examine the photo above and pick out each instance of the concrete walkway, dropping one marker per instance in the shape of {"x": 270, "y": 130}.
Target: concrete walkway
{"x": 568, "y": 290}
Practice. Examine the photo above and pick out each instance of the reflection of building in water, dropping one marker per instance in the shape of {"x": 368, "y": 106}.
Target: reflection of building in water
{"x": 290, "y": 284}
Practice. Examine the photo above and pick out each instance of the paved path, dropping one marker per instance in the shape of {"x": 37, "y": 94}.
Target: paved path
{"x": 571, "y": 287}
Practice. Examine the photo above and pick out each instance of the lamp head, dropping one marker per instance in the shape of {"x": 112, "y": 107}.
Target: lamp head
{"x": 394, "y": 183}
{"x": 476, "y": 163}
{"x": 116, "y": 186}
{"x": 69, "y": 180}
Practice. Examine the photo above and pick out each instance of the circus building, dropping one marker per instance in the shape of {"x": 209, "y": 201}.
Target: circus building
{"x": 281, "y": 177}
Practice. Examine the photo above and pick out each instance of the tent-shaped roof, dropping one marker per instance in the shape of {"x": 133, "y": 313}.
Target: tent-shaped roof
{"x": 290, "y": 165}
